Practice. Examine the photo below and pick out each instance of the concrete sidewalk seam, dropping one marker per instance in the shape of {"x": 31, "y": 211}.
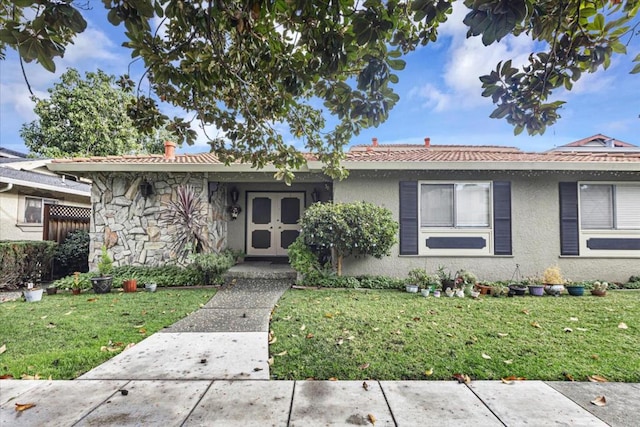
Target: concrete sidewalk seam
{"x": 486, "y": 405}
{"x": 393, "y": 417}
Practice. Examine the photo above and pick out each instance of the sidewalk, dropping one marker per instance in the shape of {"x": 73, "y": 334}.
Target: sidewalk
{"x": 211, "y": 369}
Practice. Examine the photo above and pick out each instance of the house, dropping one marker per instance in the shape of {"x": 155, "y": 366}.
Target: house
{"x": 487, "y": 209}
{"x": 26, "y": 186}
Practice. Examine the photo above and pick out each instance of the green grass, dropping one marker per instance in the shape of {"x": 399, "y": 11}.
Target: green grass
{"x": 390, "y": 335}
{"x": 61, "y": 336}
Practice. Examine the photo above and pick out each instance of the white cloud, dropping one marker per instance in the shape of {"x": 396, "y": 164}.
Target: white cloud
{"x": 466, "y": 59}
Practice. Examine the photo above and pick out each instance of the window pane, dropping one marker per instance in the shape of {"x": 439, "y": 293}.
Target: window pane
{"x": 596, "y": 207}
{"x": 628, "y": 206}
{"x": 32, "y": 210}
{"x": 472, "y": 205}
{"x": 436, "y": 205}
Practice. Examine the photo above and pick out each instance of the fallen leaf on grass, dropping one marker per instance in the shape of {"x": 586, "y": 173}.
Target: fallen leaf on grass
{"x": 623, "y": 325}
{"x": 303, "y": 327}
{"x": 92, "y": 300}
{"x": 3, "y": 348}
{"x": 43, "y": 317}
{"x": 508, "y": 362}
{"x": 597, "y": 379}
{"x": 24, "y": 406}
{"x": 372, "y": 419}
{"x": 511, "y": 379}
{"x": 30, "y": 377}
{"x": 599, "y": 401}
{"x": 568, "y": 330}
{"x": 51, "y": 325}
{"x": 502, "y": 335}
{"x": 6, "y": 377}
{"x": 568, "y": 376}
{"x": 142, "y": 331}
{"x": 272, "y": 338}
{"x": 68, "y": 313}
{"x": 526, "y": 311}
{"x": 429, "y": 372}
{"x": 462, "y": 378}
{"x": 376, "y": 329}
{"x": 581, "y": 329}
{"x": 595, "y": 357}
{"x": 270, "y": 361}
{"x": 536, "y": 325}
{"x": 486, "y": 356}
{"x": 416, "y": 319}
{"x": 328, "y": 315}
{"x": 333, "y": 379}
{"x": 340, "y": 341}
{"x": 282, "y": 353}
{"x": 138, "y": 326}
{"x": 364, "y": 366}
{"x": 573, "y": 319}
{"x": 309, "y": 336}
{"x": 131, "y": 344}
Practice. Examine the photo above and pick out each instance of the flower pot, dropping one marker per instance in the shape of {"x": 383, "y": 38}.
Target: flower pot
{"x": 536, "y": 290}
{"x": 553, "y": 289}
{"x": 425, "y": 292}
{"x": 33, "y": 295}
{"x": 130, "y": 285}
{"x": 475, "y": 294}
{"x": 576, "y": 291}
{"x": 460, "y": 293}
{"x": 436, "y": 293}
{"x": 101, "y": 285}
{"x": 76, "y": 291}
{"x": 517, "y": 290}
{"x": 598, "y": 293}
{"x": 52, "y": 290}
{"x": 412, "y": 289}
{"x": 448, "y": 284}
{"x": 483, "y": 289}
{"x": 150, "y": 287}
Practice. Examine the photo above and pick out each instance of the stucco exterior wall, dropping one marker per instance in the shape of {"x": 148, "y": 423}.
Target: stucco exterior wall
{"x": 11, "y": 208}
{"x": 535, "y": 226}
{"x": 130, "y": 225}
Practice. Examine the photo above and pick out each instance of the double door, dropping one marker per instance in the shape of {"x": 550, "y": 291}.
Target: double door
{"x": 273, "y": 222}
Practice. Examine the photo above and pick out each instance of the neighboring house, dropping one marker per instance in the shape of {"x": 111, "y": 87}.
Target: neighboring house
{"x": 599, "y": 143}
{"x": 483, "y": 208}
{"x": 26, "y": 185}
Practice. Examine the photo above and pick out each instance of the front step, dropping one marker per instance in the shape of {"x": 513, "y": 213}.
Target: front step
{"x": 260, "y": 270}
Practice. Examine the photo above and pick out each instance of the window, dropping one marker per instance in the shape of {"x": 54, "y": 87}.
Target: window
{"x": 610, "y": 206}
{"x": 33, "y": 209}
{"x": 459, "y": 205}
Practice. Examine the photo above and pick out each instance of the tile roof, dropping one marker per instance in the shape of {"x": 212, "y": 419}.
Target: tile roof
{"x": 598, "y": 138}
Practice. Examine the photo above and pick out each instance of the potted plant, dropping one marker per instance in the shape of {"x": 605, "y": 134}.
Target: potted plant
{"x": 498, "y": 290}
{"x": 150, "y": 287}
{"x": 425, "y": 281}
{"x": 536, "y": 288}
{"x": 414, "y": 279}
{"x": 484, "y": 287}
{"x": 32, "y": 293}
{"x": 599, "y": 288}
{"x": 553, "y": 281}
{"x": 102, "y": 283}
{"x": 52, "y": 290}
{"x": 130, "y": 285}
{"x": 445, "y": 278}
{"x": 575, "y": 289}
{"x": 465, "y": 282}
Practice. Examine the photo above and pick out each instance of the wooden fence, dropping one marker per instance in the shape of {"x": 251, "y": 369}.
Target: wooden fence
{"x": 60, "y": 220}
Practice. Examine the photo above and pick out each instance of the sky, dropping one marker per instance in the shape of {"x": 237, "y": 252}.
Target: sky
{"x": 439, "y": 91}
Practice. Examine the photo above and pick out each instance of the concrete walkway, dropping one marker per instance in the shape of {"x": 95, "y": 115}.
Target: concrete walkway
{"x": 211, "y": 369}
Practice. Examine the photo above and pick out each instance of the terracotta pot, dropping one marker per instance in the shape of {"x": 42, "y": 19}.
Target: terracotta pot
{"x": 130, "y": 285}
{"x": 598, "y": 293}
{"x": 76, "y": 291}
{"x": 483, "y": 289}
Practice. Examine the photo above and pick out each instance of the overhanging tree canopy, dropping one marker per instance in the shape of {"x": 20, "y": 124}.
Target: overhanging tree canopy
{"x": 250, "y": 66}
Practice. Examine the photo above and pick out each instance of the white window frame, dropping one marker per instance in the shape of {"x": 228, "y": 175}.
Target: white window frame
{"x": 615, "y": 232}
{"x": 22, "y": 210}
{"x": 426, "y": 232}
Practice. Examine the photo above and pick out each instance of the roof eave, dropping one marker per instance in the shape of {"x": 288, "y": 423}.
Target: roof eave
{"x": 86, "y": 167}
{"x": 506, "y": 166}
{"x": 55, "y": 188}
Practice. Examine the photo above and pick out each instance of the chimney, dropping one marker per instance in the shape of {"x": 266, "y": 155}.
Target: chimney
{"x": 374, "y": 141}
{"x": 169, "y": 150}
{"x": 427, "y": 142}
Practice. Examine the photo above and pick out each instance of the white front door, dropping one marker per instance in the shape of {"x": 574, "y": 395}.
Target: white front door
{"x": 272, "y": 222}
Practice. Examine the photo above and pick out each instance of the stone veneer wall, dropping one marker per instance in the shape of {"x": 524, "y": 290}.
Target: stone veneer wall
{"x": 130, "y": 225}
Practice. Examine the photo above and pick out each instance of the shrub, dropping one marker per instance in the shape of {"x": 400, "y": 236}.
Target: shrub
{"x": 24, "y": 261}
{"x": 213, "y": 265}
{"x": 105, "y": 265}
{"x": 358, "y": 228}
{"x": 72, "y": 254}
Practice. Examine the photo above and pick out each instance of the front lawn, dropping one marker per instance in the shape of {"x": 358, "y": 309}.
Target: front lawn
{"x": 64, "y": 336}
{"x": 391, "y": 335}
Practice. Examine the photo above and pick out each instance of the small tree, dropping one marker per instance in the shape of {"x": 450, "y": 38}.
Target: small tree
{"x": 345, "y": 229}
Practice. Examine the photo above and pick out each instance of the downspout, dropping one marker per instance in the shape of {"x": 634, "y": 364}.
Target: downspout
{"x": 7, "y": 188}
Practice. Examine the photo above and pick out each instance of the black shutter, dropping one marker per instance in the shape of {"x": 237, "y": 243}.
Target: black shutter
{"x": 408, "y": 217}
{"x": 569, "y": 240}
{"x": 502, "y": 218}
